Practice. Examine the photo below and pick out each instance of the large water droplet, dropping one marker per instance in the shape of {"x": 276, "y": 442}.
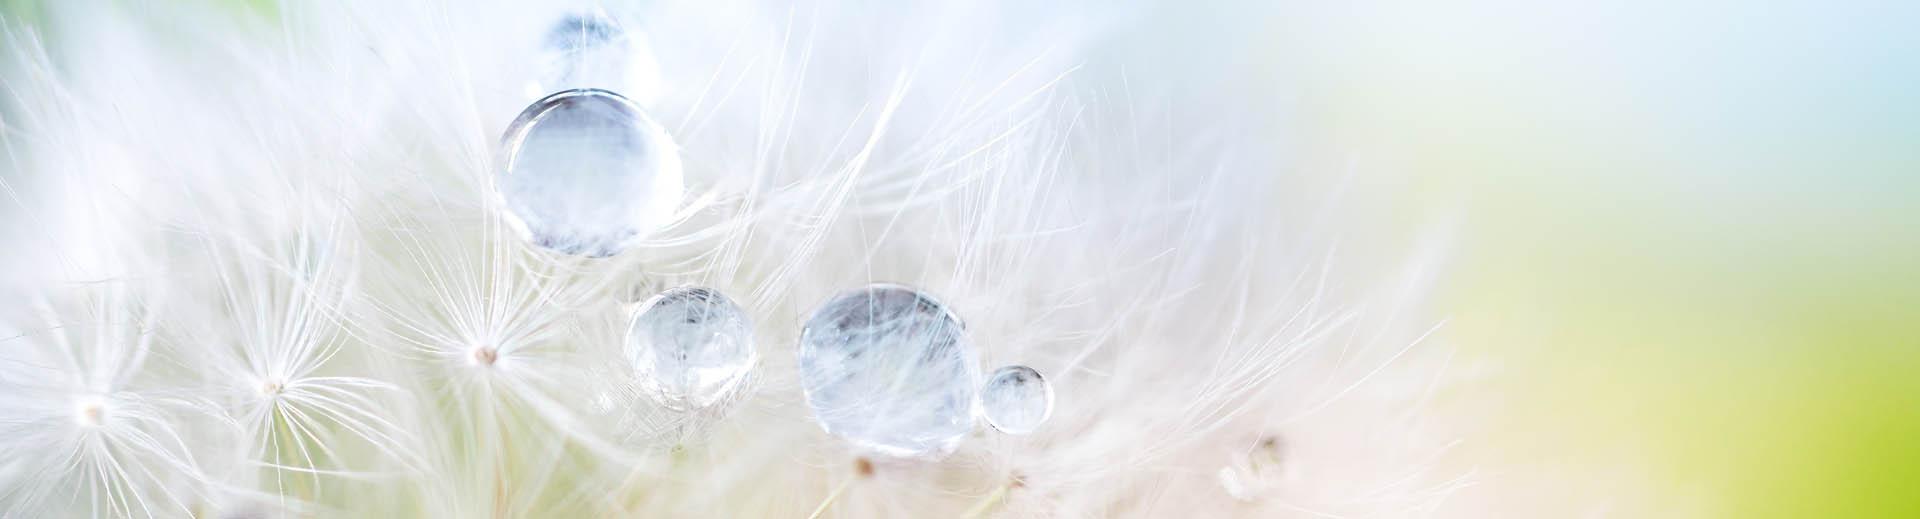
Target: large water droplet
{"x": 1016, "y": 399}
{"x": 889, "y": 369}
{"x": 690, "y": 347}
{"x": 587, "y": 173}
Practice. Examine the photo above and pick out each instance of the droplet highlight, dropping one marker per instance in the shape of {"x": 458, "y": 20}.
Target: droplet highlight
{"x": 889, "y": 369}
{"x": 690, "y": 347}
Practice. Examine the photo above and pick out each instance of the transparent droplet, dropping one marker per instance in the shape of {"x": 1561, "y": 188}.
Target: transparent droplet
{"x": 1016, "y": 399}
{"x": 889, "y": 369}
{"x": 587, "y": 173}
{"x": 690, "y": 347}
{"x": 592, "y": 50}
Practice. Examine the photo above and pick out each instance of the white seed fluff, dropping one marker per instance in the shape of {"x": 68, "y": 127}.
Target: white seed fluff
{"x": 366, "y": 290}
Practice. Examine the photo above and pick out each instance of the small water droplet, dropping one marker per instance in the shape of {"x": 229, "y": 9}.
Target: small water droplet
{"x": 587, "y": 173}
{"x": 889, "y": 369}
{"x": 690, "y": 347}
{"x": 1016, "y": 399}
{"x": 592, "y": 50}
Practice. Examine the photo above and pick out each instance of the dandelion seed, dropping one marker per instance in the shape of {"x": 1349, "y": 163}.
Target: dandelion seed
{"x": 91, "y": 412}
{"x": 889, "y": 369}
{"x": 690, "y": 347}
{"x": 1016, "y": 400}
{"x": 587, "y": 173}
{"x": 366, "y": 332}
{"x": 271, "y": 388}
{"x": 485, "y": 356}
{"x": 77, "y": 439}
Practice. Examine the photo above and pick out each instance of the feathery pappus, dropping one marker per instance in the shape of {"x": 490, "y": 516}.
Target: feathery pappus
{"x": 687, "y": 259}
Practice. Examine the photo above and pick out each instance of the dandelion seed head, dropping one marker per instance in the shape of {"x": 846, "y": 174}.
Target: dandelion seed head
{"x": 484, "y": 356}
{"x": 1082, "y": 217}
{"x": 271, "y": 388}
{"x": 91, "y": 411}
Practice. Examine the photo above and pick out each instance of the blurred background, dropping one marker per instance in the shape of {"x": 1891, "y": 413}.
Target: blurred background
{"x": 1686, "y": 234}
{"x": 1690, "y": 235}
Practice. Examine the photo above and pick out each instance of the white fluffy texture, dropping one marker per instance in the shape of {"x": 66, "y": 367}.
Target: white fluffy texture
{"x": 254, "y": 270}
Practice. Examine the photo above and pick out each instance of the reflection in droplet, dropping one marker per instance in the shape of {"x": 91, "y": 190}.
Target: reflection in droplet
{"x": 587, "y": 173}
{"x": 889, "y": 369}
{"x": 690, "y": 347}
{"x": 1016, "y": 400}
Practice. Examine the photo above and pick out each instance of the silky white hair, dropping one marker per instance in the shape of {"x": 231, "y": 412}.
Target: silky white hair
{"x": 256, "y": 269}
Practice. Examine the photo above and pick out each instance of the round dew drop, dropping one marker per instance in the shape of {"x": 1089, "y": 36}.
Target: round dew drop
{"x": 591, "y": 50}
{"x": 587, "y": 173}
{"x": 889, "y": 369}
{"x": 1016, "y": 400}
{"x": 690, "y": 347}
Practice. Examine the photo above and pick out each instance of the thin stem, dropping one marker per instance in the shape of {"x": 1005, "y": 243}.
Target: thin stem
{"x": 830, "y": 499}
{"x": 980, "y": 509}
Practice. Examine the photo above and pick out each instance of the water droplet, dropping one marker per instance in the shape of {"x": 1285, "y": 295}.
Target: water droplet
{"x": 1016, "y": 399}
{"x": 592, "y": 50}
{"x": 690, "y": 347}
{"x": 587, "y": 173}
{"x": 889, "y": 369}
